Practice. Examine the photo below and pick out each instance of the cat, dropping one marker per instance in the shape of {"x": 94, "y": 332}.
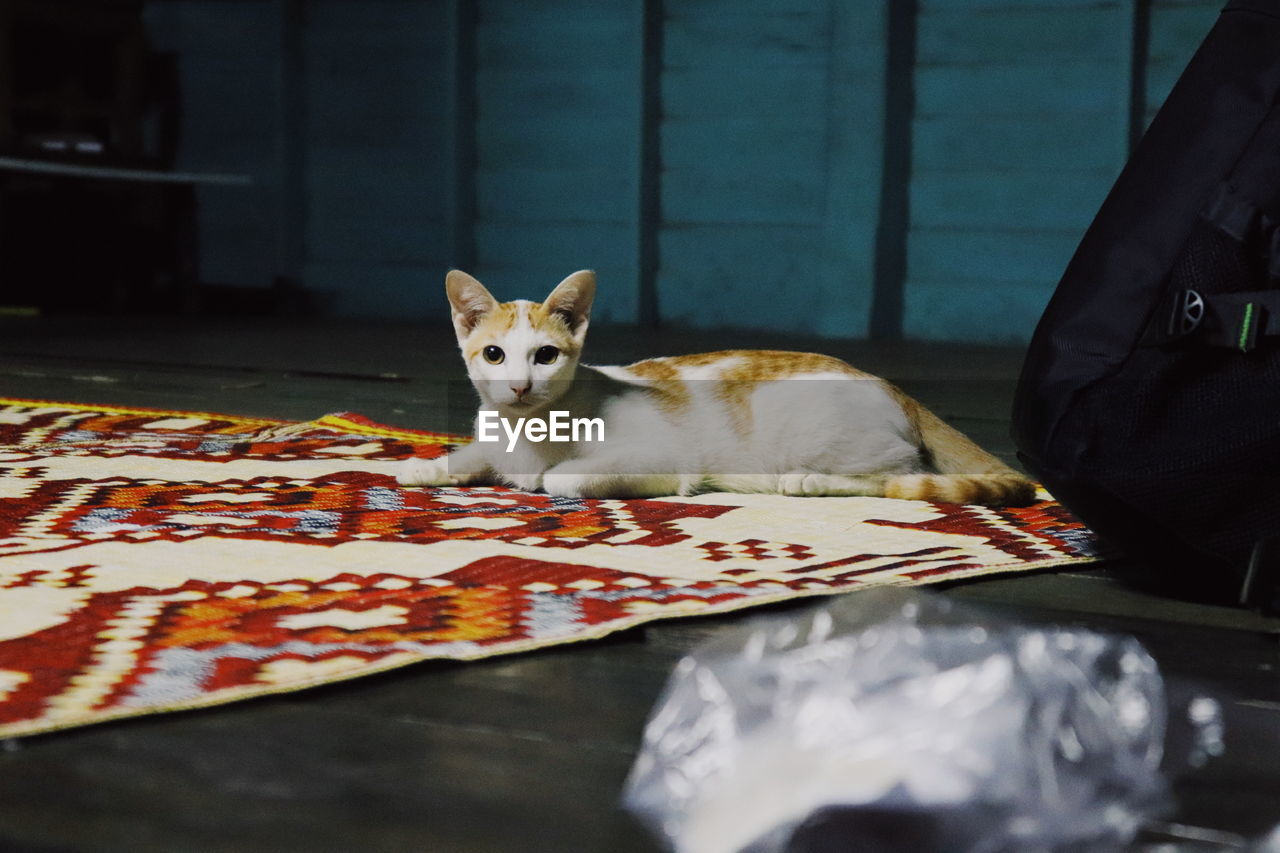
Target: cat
{"x": 733, "y": 421}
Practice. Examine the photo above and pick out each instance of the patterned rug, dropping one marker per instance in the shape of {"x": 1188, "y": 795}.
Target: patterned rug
{"x": 154, "y": 561}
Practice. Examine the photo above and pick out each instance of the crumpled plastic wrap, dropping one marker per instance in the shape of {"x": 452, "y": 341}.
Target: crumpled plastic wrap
{"x": 894, "y": 720}
{"x": 1269, "y": 843}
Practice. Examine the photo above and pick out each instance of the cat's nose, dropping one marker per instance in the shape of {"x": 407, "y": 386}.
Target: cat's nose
{"x": 519, "y": 390}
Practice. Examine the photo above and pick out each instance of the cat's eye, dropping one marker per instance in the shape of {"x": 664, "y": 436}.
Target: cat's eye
{"x": 546, "y": 355}
{"x": 494, "y": 355}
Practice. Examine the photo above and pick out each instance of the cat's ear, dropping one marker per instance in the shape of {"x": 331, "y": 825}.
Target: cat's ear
{"x": 469, "y": 301}
{"x": 572, "y": 300}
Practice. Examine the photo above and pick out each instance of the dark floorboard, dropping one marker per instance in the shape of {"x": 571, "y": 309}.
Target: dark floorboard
{"x": 523, "y": 753}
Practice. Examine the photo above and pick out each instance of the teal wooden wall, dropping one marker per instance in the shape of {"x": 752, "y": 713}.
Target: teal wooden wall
{"x": 1023, "y": 120}
{"x": 734, "y": 178}
{"x": 377, "y": 121}
{"x": 770, "y": 151}
{"x": 1020, "y": 130}
{"x": 557, "y": 143}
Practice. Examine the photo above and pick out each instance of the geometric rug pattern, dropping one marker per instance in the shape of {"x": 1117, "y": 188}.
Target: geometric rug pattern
{"x": 155, "y": 561}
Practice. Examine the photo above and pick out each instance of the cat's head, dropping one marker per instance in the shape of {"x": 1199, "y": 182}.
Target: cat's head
{"x": 521, "y": 354}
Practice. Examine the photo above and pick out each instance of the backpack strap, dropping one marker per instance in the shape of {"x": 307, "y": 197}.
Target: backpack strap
{"x": 1240, "y": 219}
{"x": 1236, "y": 320}
{"x": 1233, "y": 320}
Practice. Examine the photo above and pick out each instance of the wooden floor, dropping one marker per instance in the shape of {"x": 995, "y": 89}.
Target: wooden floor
{"x": 519, "y": 754}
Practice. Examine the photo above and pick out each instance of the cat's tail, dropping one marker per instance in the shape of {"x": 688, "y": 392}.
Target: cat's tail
{"x": 966, "y": 474}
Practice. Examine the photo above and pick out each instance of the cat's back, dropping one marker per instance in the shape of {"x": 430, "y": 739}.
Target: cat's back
{"x": 745, "y": 366}
{"x": 768, "y": 411}
{"x": 736, "y": 388}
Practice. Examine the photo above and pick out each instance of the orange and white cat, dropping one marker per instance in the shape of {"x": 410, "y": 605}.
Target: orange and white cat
{"x": 739, "y": 421}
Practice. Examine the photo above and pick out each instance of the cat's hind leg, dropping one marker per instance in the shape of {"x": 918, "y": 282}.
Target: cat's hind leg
{"x": 811, "y": 483}
{"x": 741, "y": 483}
{"x": 800, "y": 483}
{"x": 597, "y": 478}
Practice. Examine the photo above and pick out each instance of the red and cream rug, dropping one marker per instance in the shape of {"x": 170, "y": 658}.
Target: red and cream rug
{"x": 154, "y": 561}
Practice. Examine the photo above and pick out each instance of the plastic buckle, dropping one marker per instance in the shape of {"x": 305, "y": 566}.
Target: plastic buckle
{"x": 1186, "y": 314}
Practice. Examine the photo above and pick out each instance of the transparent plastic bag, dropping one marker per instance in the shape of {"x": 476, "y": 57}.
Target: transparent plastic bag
{"x": 894, "y": 720}
{"x": 1269, "y": 843}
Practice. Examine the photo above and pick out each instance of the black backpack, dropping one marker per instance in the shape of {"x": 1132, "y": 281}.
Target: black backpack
{"x": 1149, "y": 403}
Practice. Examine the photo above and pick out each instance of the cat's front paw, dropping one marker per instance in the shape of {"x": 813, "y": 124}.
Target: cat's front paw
{"x": 569, "y": 485}
{"x": 800, "y": 483}
{"x": 424, "y": 472}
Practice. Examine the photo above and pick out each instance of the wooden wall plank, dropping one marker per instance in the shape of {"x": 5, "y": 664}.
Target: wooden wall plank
{"x": 594, "y": 39}
{"x": 893, "y": 225}
{"x": 728, "y": 195}
{"x": 524, "y": 260}
{"x": 527, "y": 145}
{"x": 856, "y": 148}
{"x": 769, "y": 38}
{"x": 558, "y": 147}
{"x": 973, "y": 254}
{"x": 345, "y": 168}
{"x": 549, "y": 16}
{"x": 1040, "y": 89}
{"x": 1015, "y": 201}
{"x": 978, "y": 310}
{"x": 1178, "y": 28}
{"x": 652, "y": 23}
{"x": 1011, "y": 143}
{"x": 579, "y": 194}
{"x": 1012, "y": 34}
{"x": 458, "y": 153}
{"x": 701, "y": 93}
{"x": 758, "y": 276}
{"x": 338, "y": 235}
{"x": 1023, "y": 120}
{"x": 754, "y": 144}
{"x": 513, "y": 93}
{"x": 1066, "y": 6}
{"x": 378, "y": 181}
{"x": 692, "y": 10}
{"x": 229, "y": 55}
{"x": 507, "y": 245}
{"x": 364, "y": 288}
{"x": 770, "y": 144}
{"x": 1021, "y": 128}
